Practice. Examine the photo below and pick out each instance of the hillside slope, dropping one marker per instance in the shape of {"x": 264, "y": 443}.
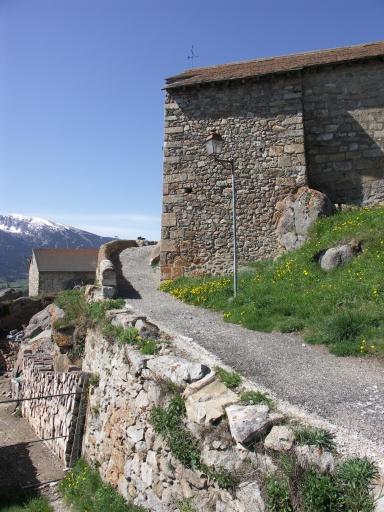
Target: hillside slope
{"x": 343, "y": 308}
{"x": 19, "y": 234}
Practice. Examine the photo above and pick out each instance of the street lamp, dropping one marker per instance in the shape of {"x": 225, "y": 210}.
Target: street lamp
{"x": 214, "y": 145}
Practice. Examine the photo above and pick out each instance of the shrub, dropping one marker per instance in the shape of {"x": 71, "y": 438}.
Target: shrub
{"x": 255, "y": 397}
{"x": 278, "y": 495}
{"x": 224, "y": 478}
{"x": 83, "y": 488}
{"x": 94, "y": 379}
{"x": 149, "y": 347}
{"x": 318, "y": 491}
{"x": 230, "y": 379}
{"x": 354, "y": 482}
{"x": 37, "y": 504}
{"x": 314, "y": 436}
{"x": 123, "y": 335}
{"x": 96, "y": 310}
{"x": 344, "y": 326}
{"x": 74, "y": 305}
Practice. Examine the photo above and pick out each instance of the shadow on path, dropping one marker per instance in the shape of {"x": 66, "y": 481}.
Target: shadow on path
{"x": 125, "y": 290}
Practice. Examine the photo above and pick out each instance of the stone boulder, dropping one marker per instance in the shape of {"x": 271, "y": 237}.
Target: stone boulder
{"x": 308, "y": 456}
{"x": 10, "y": 294}
{"x": 249, "y": 495}
{"x": 247, "y": 421}
{"x": 280, "y": 438}
{"x": 176, "y": 369}
{"x": 154, "y": 257}
{"x": 146, "y": 329}
{"x": 296, "y": 214}
{"x": 43, "y": 320}
{"x": 207, "y": 404}
{"x": 337, "y": 256}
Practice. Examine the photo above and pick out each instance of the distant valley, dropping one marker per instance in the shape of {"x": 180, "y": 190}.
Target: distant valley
{"x": 19, "y": 234}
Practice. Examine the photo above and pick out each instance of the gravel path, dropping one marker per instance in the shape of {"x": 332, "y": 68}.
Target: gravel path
{"x": 348, "y": 392}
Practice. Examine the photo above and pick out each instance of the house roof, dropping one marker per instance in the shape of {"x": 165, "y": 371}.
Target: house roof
{"x": 260, "y": 67}
{"x": 66, "y": 260}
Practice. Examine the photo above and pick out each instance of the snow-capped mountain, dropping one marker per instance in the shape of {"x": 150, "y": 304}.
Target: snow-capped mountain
{"x": 19, "y": 234}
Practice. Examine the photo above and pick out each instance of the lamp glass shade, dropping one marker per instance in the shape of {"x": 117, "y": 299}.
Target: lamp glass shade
{"x": 214, "y": 143}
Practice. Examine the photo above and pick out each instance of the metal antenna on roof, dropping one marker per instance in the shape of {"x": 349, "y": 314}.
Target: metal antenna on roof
{"x": 193, "y": 56}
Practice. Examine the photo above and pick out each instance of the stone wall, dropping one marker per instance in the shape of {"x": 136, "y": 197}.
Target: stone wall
{"x": 50, "y": 282}
{"x": 344, "y": 131}
{"x": 261, "y": 122}
{"x": 323, "y": 127}
{"x": 231, "y": 439}
{"x": 54, "y": 417}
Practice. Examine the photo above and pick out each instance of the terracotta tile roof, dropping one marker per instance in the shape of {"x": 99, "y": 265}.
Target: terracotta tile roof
{"x": 260, "y": 67}
{"x": 66, "y": 260}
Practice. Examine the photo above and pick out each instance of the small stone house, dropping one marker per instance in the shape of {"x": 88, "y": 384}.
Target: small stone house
{"x": 310, "y": 121}
{"x": 53, "y": 270}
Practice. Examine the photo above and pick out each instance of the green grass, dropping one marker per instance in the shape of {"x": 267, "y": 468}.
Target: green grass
{"x": 168, "y": 421}
{"x": 315, "y": 437}
{"x": 84, "y": 490}
{"x": 342, "y": 308}
{"x": 255, "y": 397}
{"x": 35, "y": 504}
{"x": 230, "y": 379}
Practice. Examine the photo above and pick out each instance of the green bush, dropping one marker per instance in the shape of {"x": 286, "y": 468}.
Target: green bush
{"x": 120, "y": 334}
{"x": 230, "y": 379}
{"x": 96, "y": 310}
{"x": 354, "y": 482}
{"x": 314, "y": 436}
{"x": 94, "y": 379}
{"x": 38, "y": 504}
{"x": 318, "y": 491}
{"x": 84, "y": 490}
{"x": 255, "y": 397}
{"x": 74, "y": 305}
{"x": 149, "y": 347}
{"x": 278, "y": 495}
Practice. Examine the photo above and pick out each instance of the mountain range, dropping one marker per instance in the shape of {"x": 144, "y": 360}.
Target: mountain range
{"x": 19, "y": 234}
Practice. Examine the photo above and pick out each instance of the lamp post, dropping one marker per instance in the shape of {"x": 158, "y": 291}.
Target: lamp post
{"x": 214, "y": 145}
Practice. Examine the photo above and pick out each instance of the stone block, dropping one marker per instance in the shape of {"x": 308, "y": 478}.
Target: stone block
{"x": 168, "y": 219}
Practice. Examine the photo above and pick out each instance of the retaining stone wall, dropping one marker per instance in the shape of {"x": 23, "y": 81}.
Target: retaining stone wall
{"x": 53, "y": 417}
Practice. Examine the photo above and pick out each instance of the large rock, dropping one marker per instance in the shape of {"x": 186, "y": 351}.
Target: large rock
{"x": 176, "y": 369}
{"x": 280, "y": 439}
{"x": 10, "y": 294}
{"x": 154, "y": 257}
{"x": 207, "y": 404}
{"x": 247, "y": 421}
{"x": 43, "y": 320}
{"x": 308, "y": 456}
{"x": 249, "y": 495}
{"x": 337, "y": 256}
{"x": 146, "y": 329}
{"x": 297, "y": 212}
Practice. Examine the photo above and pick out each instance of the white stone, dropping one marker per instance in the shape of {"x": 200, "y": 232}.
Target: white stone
{"x": 314, "y": 456}
{"x": 279, "y": 439}
{"x": 247, "y": 421}
{"x": 249, "y": 495}
{"x": 136, "y": 434}
{"x": 176, "y": 369}
{"x": 207, "y": 404}
{"x": 146, "y": 474}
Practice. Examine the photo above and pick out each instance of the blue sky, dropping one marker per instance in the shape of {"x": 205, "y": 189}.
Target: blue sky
{"x": 81, "y": 104}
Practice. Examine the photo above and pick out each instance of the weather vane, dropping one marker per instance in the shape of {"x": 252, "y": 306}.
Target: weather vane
{"x": 193, "y": 56}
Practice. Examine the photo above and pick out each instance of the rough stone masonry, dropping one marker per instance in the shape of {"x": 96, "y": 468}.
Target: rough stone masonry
{"x": 310, "y": 120}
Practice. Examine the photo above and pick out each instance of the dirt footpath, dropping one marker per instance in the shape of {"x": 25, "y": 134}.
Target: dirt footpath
{"x": 24, "y": 460}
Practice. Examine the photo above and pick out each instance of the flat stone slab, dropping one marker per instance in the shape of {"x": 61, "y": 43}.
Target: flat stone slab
{"x": 176, "y": 369}
{"x": 207, "y": 404}
{"x": 247, "y": 421}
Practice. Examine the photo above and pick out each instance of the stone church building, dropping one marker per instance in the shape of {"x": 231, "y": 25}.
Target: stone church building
{"x": 306, "y": 120}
